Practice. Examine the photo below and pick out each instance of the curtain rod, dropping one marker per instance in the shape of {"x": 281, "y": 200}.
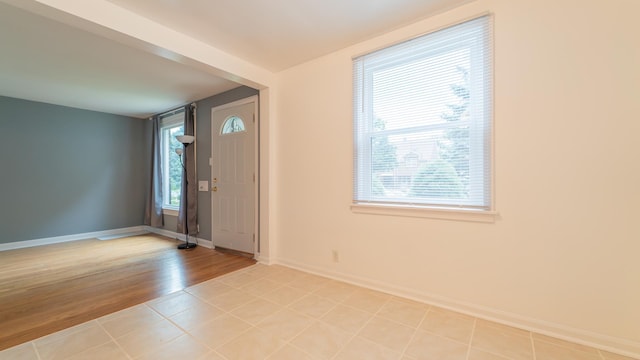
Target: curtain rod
{"x": 173, "y": 111}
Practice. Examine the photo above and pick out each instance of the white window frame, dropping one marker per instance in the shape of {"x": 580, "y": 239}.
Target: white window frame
{"x": 481, "y": 143}
{"x": 169, "y": 122}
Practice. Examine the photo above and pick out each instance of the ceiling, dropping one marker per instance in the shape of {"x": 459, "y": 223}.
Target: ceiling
{"x": 49, "y": 61}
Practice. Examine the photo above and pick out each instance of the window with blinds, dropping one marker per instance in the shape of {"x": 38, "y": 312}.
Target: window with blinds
{"x": 422, "y": 117}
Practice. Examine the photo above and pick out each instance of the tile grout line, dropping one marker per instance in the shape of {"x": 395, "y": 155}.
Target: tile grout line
{"x": 113, "y": 339}
{"x": 473, "y": 333}
{"x": 288, "y": 307}
{"x": 315, "y": 320}
{"x": 90, "y": 348}
{"x": 320, "y": 320}
{"x": 163, "y": 317}
{"x": 299, "y": 348}
{"x": 188, "y": 333}
{"x": 240, "y": 286}
{"x": 255, "y": 326}
{"x": 415, "y": 331}
{"x": 35, "y": 349}
{"x": 207, "y": 302}
{"x": 601, "y": 355}
{"x": 284, "y": 344}
{"x": 533, "y": 346}
{"x": 228, "y": 313}
{"x": 224, "y": 312}
{"x": 355, "y": 334}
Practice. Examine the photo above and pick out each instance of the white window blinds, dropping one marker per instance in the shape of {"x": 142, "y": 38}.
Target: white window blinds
{"x": 422, "y": 117}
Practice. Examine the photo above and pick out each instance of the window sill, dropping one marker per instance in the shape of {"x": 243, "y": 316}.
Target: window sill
{"x": 170, "y": 212}
{"x": 427, "y": 212}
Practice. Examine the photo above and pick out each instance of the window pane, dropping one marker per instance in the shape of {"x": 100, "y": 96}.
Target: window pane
{"x": 172, "y": 168}
{"x": 233, "y": 124}
{"x": 420, "y": 166}
{"x": 422, "y": 114}
{"x": 175, "y": 168}
{"x": 418, "y": 93}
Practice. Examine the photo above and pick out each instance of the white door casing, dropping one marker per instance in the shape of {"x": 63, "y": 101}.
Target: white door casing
{"x": 234, "y": 176}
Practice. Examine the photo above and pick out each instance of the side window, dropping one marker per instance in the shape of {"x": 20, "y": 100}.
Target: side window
{"x": 172, "y": 126}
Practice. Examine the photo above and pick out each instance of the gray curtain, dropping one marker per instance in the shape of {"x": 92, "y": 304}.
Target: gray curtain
{"x": 187, "y": 215}
{"x": 153, "y": 209}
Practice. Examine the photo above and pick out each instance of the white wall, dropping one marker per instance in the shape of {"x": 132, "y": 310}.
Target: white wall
{"x": 563, "y": 257}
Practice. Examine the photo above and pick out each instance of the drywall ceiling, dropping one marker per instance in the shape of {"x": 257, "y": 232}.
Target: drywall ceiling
{"x": 278, "y": 34}
{"x": 50, "y": 61}
{"x": 47, "y": 61}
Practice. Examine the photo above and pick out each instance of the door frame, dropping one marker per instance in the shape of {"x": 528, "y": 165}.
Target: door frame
{"x": 255, "y": 99}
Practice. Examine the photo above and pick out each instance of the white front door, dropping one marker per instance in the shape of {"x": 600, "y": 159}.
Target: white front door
{"x": 233, "y": 176}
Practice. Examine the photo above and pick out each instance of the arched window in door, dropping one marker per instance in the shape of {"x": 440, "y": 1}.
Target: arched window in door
{"x": 233, "y": 124}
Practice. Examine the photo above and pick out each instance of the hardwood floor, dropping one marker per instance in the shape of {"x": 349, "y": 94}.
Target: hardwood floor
{"x": 49, "y": 288}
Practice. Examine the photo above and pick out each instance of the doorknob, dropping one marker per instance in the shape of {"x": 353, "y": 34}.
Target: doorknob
{"x": 214, "y": 189}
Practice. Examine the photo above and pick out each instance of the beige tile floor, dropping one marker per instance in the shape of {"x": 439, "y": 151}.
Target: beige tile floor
{"x": 272, "y": 312}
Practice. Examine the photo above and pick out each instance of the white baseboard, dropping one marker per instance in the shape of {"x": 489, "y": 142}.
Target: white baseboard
{"x": 605, "y": 342}
{"x": 123, "y": 234}
{"x": 263, "y": 259}
{"x": 104, "y": 235}
{"x": 174, "y": 235}
{"x": 130, "y": 231}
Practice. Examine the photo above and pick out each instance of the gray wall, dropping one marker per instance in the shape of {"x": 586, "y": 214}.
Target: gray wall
{"x": 203, "y": 143}
{"x": 67, "y": 171}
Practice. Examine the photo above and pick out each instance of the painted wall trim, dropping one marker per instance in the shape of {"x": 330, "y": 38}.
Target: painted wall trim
{"x": 105, "y": 234}
{"x": 265, "y": 260}
{"x": 174, "y": 235}
{"x": 608, "y": 343}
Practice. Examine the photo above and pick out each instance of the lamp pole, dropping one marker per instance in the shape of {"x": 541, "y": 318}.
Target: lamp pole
{"x": 186, "y": 140}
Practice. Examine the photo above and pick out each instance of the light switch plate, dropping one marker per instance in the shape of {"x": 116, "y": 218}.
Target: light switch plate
{"x": 203, "y": 185}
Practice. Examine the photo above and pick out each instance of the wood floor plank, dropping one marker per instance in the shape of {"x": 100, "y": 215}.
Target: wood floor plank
{"x": 49, "y": 288}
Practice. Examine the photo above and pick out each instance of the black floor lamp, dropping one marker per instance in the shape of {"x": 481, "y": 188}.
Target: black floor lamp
{"x": 186, "y": 140}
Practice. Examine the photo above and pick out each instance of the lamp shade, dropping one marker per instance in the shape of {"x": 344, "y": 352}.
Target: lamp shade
{"x": 185, "y": 139}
